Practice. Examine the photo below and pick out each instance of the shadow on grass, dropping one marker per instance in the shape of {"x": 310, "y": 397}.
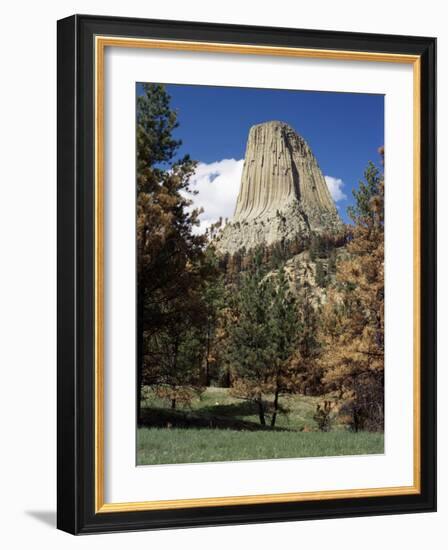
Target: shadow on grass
{"x": 207, "y": 418}
{"x": 245, "y": 408}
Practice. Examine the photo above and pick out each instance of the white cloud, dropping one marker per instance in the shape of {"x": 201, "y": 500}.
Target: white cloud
{"x": 335, "y": 186}
{"x": 217, "y": 184}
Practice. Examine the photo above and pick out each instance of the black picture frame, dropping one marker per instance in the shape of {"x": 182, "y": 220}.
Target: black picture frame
{"x": 76, "y": 286}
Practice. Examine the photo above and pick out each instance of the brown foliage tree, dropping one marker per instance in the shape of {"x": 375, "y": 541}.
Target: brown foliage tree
{"x": 170, "y": 257}
{"x": 353, "y": 319}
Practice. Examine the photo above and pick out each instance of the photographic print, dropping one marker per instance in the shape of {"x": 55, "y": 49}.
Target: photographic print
{"x": 260, "y": 273}
{"x": 246, "y": 274}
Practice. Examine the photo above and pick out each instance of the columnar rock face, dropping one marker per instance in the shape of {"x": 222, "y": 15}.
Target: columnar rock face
{"x": 283, "y": 193}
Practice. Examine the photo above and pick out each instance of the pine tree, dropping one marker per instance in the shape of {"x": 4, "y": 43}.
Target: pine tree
{"x": 353, "y": 318}
{"x": 169, "y": 255}
{"x": 263, "y": 330}
{"x": 285, "y": 330}
{"x": 249, "y": 347}
{"x": 175, "y": 355}
{"x": 305, "y": 367}
{"x": 214, "y": 297}
{"x": 321, "y": 275}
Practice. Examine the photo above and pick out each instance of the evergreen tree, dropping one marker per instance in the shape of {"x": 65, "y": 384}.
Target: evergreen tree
{"x": 175, "y": 356}
{"x": 306, "y": 371}
{"x": 353, "y": 318}
{"x": 263, "y": 331}
{"x": 214, "y": 297}
{"x": 249, "y": 350}
{"x": 169, "y": 256}
{"x": 362, "y": 212}
{"x": 284, "y": 330}
{"x": 321, "y": 275}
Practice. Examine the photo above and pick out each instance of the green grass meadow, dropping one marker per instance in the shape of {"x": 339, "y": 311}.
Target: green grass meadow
{"x": 218, "y": 427}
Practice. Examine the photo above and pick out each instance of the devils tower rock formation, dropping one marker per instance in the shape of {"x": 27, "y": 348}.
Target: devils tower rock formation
{"x": 283, "y": 193}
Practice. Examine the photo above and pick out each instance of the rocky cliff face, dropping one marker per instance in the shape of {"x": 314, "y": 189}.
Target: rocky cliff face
{"x": 283, "y": 193}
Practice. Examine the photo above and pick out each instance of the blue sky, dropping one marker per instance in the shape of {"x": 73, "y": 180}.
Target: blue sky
{"x": 343, "y": 130}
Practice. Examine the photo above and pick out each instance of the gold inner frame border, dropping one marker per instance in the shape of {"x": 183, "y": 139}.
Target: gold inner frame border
{"x": 100, "y": 44}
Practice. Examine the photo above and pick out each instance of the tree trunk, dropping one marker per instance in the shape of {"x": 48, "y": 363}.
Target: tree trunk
{"x": 261, "y": 412}
{"x": 140, "y": 313}
{"x": 355, "y": 422}
{"x": 207, "y": 363}
{"x": 274, "y": 414}
{"x": 173, "y": 403}
{"x": 207, "y": 373}
{"x": 227, "y": 379}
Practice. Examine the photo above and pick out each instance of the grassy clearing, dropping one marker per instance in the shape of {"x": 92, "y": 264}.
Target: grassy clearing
{"x": 217, "y": 405}
{"x": 219, "y": 427}
{"x": 177, "y": 446}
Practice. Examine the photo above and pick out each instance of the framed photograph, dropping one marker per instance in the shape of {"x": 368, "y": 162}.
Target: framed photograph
{"x": 246, "y": 274}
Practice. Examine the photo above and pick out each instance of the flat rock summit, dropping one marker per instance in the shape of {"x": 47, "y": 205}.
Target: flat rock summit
{"x": 283, "y": 194}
